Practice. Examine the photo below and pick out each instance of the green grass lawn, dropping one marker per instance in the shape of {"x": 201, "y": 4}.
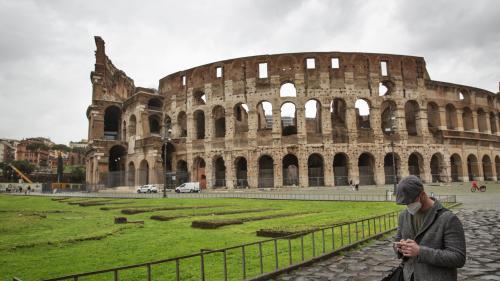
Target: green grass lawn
{"x": 41, "y": 238}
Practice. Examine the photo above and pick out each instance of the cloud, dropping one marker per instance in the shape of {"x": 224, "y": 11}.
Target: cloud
{"x": 47, "y": 49}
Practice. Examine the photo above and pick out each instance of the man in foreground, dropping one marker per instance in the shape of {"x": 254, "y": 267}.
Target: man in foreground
{"x": 430, "y": 238}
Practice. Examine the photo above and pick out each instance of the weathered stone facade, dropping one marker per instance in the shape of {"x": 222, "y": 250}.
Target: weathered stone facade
{"x": 244, "y": 123}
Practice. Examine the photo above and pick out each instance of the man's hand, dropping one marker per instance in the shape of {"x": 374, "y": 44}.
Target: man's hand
{"x": 409, "y": 248}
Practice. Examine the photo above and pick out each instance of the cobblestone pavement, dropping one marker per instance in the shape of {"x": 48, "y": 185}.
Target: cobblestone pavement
{"x": 373, "y": 262}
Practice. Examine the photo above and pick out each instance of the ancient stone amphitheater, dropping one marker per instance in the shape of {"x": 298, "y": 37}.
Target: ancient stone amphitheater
{"x": 300, "y": 119}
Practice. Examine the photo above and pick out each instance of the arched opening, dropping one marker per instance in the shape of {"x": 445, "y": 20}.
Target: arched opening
{"x": 437, "y": 168}
{"x": 116, "y": 166}
{"x": 362, "y": 114}
{"x": 433, "y": 119}
{"x": 415, "y": 164}
{"x": 167, "y": 155}
{"x": 493, "y": 123}
{"x": 132, "y": 126}
{"x": 290, "y": 170}
{"x": 388, "y": 117}
{"x": 112, "y": 119}
{"x": 366, "y": 165}
{"x": 241, "y": 172}
{"x": 199, "y": 98}
{"x": 472, "y": 167}
{"x": 467, "y": 119}
{"x": 219, "y": 117}
{"x": 487, "y": 168}
{"x": 288, "y": 119}
{"x": 219, "y": 172}
{"x": 340, "y": 169}
{"x": 497, "y": 166}
{"x": 154, "y": 124}
{"x": 199, "y": 172}
{"x": 315, "y": 171}
{"x": 181, "y": 172}
{"x": 456, "y": 168}
{"x": 482, "y": 121}
{"x": 385, "y": 88}
{"x": 288, "y": 90}
{"x": 451, "y": 117}
{"x": 313, "y": 117}
{"x": 131, "y": 174}
{"x": 266, "y": 171}
{"x": 241, "y": 118}
{"x": 392, "y": 168}
{"x": 412, "y": 114}
{"x": 338, "y": 120}
{"x": 182, "y": 124}
{"x": 199, "y": 124}
{"x": 144, "y": 172}
{"x": 265, "y": 115}
{"x": 155, "y": 104}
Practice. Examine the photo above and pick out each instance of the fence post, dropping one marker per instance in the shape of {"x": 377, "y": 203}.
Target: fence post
{"x": 313, "y": 242}
{"x": 323, "y": 238}
{"x": 341, "y": 236}
{"x": 202, "y": 266}
{"x": 260, "y": 257}
{"x": 149, "y": 272}
{"x": 177, "y": 273}
{"x": 333, "y": 238}
{"x": 276, "y": 252}
{"x": 302, "y": 246}
{"x": 290, "y": 250}
{"x": 243, "y": 262}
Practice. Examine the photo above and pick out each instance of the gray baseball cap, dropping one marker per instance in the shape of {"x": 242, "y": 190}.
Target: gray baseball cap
{"x": 408, "y": 190}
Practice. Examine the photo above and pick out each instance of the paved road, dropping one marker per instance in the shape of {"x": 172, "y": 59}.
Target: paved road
{"x": 372, "y": 263}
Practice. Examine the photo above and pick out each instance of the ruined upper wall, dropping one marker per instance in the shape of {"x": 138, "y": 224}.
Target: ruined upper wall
{"x": 109, "y": 82}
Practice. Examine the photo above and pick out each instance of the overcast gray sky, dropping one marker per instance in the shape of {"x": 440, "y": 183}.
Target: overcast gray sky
{"x": 47, "y": 47}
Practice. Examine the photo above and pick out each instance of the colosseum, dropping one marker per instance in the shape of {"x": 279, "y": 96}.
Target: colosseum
{"x": 290, "y": 120}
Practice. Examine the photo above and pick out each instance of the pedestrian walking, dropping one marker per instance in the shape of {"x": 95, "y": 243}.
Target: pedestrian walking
{"x": 430, "y": 239}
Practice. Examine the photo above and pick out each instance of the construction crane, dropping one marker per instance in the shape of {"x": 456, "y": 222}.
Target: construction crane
{"x": 21, "y": 174}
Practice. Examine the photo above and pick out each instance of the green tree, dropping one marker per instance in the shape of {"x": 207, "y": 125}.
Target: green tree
{"x": 24, "y": 166}
{"x": 78, "y": 174}
{"x": 61, "y": 147}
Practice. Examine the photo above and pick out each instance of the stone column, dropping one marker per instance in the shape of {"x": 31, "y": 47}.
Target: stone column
{"x": 475, "y": 124}
{"x": 351, "y": 122}
{"x": 379, "y": 170}
{"x": 326, "y": 124}
{"x": 252, "y": 127}
{"x": 465, "y": 171}
{"x": 230, "y": 173}
{"x": 277, "y": 171}
{"x": 497, "y": 119}
{"x": 303, "y": 171}
{"x": 488, "y": 124}
{"x": 328, "y": 169}
{"x": 209, "y": 171}
{"x": 301, "y": 123}
{"x": 442, "y": 118}
{"x": 460, "y": 120}
{"x": 253, "y": 171}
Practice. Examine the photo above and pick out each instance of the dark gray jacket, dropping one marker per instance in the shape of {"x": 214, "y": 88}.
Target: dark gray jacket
{"x": 442, "y": 245}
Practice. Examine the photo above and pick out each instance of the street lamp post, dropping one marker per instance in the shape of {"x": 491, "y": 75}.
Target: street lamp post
{"x": 166, "y": 140}
{"x": 393, "y": 131}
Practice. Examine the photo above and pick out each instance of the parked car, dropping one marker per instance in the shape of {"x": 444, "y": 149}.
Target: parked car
{"x": 188, "y": 187}
{"x": 147, "y": 188}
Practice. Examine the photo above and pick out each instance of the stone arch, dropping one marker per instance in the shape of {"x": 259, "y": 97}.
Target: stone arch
{"x": 288, "y": 90}
{"x": 438, "y": 169}
{"x": 392, "y": 173}
{"x": 493, "y": 123}
{"x": 290, "y": 168}
{"x": 313, "y": 116}
{"x": 241, "y": 169}
{"x": 219, "y": 173}
{"x": 451, "y": 117}
{"x": 388, "y": 116}
{"x": 288, "y": 119}
{"x": 433, "y": 118}
{"x": 199, "y": 171}
{"x": 131, "y": 174}
{"x": 116, "y": 166}
{"x": 467, "y": 119}
{"x": 155, "y": 104}
{"x": 181, "y": 172}
{"x": 456, "y": 170}
{"x": 341, "y": 169}
{"x": 143, "y": 172}
{"x": 482, "y": 121}
{"x": 199, "y": 98}
{"x": 416, "y": 164}
{"x": 412, "y": 115}
{"x": 472, "y": 167}
{"x": 241, "y": 118}
{"x": 487, "y": 168}
{"x": 219, "y": 117}
{"x": 264, "y": 115}
{"x": 182, "y": 124}
{"x": 266, "y": 171}
{"x": 315, "y": 170}
{"x": 362, "y": 107}
{"x": 132, "y": 125}
{"x": 154, "y": 124}
{"x": 366, "y": 167}
{"x": 112, "y": 120}
{"x": 199, "y": 124}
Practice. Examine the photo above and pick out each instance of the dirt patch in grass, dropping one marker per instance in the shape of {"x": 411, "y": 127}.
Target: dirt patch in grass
{"x": 88, "y": 204}
{"x": 278, "y": 233}
{"x": 165, "y": 218}
{"x": 126, "y": 207}
{"x": 59, "y": 199}
{"x": 211, "y": 224}
{"x": 169, "y": 218}
{"x": 146, "y": 210}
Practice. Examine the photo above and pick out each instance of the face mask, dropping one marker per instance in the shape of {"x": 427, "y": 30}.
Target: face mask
{"x": 414, "y": 207}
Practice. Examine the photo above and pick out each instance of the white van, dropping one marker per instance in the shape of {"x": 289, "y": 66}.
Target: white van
{"x": 188, "y": 187}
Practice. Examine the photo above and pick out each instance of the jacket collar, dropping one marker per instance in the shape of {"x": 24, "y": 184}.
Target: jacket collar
{"x": 431, "y": 217}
